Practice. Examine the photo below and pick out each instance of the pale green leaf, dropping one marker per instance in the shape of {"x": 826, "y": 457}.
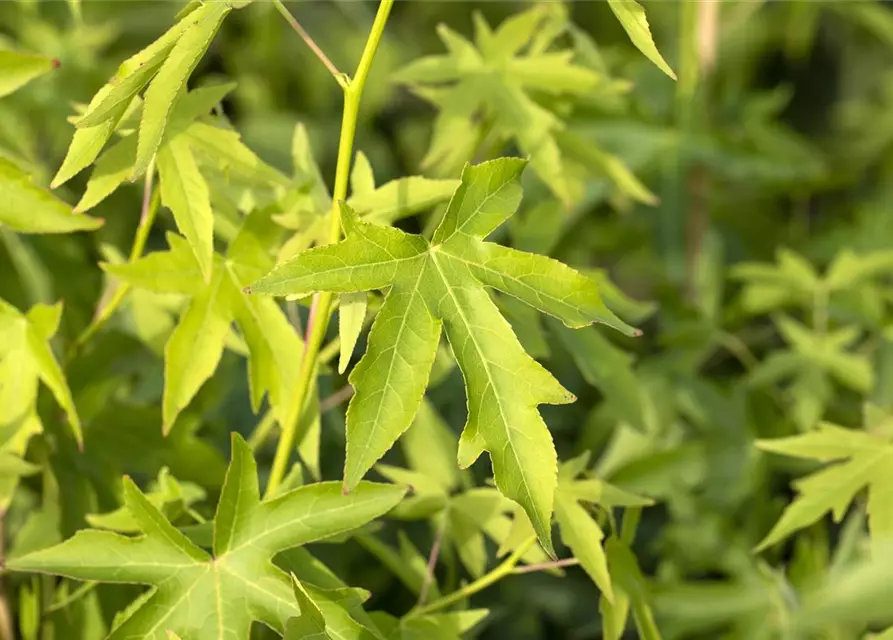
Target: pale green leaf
{"x": 584, "y": 537}
{"x": 185, "y": 192}
{"x": 632, "y": 17}
{"x": 26, "y": 208}
{"x": 351, "y": 314}
{"x": 26, "y": 356}
{"x": 193, "y": 592}
{"x": 109, "y": 172}
{"x": 132, "y": 75}
{"x": 864, "y": 461}
{"x": 443, "y": 282}
{"x": 18, "y": 69}
{"x": 401, "y": 198}
{"x": 171, "y": 78}
{"x": 310, "y": 624}
{"x": 195, "y": 347}
{"x": 87, "y": 142}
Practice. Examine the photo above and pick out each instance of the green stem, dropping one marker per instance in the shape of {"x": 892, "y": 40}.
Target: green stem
{"x": 497, "y": 574}
{"x": 311, "y": 43}
{"x": 316, "y": 331}
{"x": 107, "y": 310}
{"x": 262, "y": 431}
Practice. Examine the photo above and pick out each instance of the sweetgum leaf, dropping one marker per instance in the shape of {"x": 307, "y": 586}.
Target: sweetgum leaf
{"x": 186, "y": 194}
{"x": 171, "y": 78}
{"x": 863, "y": 461}
{"x": 442, "y": 285}
{"x": 193, "y": 591}
{"x": 195, "y": 347}
{"x": 26, "y": 208}
{"x": 25, "y": 358}
{"x": 632, "y": 17}
{"x": 18, "y": 69}
{"x": 493, "y": 76}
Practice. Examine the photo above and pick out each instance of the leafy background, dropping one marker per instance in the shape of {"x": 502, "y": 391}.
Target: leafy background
{"x": 751, "y": 247}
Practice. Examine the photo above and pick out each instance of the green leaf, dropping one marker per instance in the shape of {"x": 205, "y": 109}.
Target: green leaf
{"x": 18, "y": 69}
{"x": 132, "y": 75}
{"x": 25, "y": 358}
{"x": 87, "y": 142}
{"x": 193, "y": 591}
{"x": 863, "y": 461}
{"x": 195, "y": 347}
{"x": 584, "y": 537}
{"x": 185, "y": 193}
{"x": 632, "y": 17}
{"x": 492, "y": 84}
{"x": 311, "y": 624}
{"x": 27, "y": 208}
{"x": 442, "y": 283}
{"x": 161, "y": 96}
{"x": 351, "y": 314}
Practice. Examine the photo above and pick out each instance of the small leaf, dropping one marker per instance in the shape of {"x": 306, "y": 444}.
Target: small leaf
{"x": 632, "y": 17}
{"x": 584, "y": 537}
{"x": 351, "y": 314}
{"x": 27, "y": 208}
{"x": 164, "y": 89}
{"x": 18, "y": 69}
{"x": 185, "y": 192}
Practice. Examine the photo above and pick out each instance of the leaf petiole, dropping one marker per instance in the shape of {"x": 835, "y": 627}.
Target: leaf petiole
{"x": 316, "y": 329}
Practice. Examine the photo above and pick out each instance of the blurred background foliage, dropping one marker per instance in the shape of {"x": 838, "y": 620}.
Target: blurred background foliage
{"x": 757, "y": 228}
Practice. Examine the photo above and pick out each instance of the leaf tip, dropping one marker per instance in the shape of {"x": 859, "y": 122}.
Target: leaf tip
{"x": 56, "y": 63}
{"x": 246, "y": 290}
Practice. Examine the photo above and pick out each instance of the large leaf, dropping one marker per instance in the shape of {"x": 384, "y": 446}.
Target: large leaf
{"x": 194, "y": 592}
{"x": 27, "y": 208}
{"x": 442, "y": 284}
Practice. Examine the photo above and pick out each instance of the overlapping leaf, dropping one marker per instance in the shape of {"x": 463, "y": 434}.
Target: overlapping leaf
{"x": 442, "y": 284}
{"x": 164, "y": 66}
{"x": 193, "y": 592}
{"x": 196, "y": 345}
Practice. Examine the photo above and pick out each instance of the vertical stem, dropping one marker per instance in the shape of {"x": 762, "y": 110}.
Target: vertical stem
{"x": 700, "y": 22}
{"x": 316, "y": 326}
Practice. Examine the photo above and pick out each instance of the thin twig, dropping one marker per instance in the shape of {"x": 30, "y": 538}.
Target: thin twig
{"x": 545, "y": 566}
{"x": 315, "y": 48}
{"x": 342, "y": 395}
{"x": 480, "y": 584}
{"x": 432, "y": 563}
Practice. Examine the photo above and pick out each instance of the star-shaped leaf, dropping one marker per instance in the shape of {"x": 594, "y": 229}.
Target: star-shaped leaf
{"x": 443, "y": 284}
{"x": 859, "y": 460}
{"x": 196, "y": 345}
{"x": 198, "y": 595}
{"x": 493, "y": 80}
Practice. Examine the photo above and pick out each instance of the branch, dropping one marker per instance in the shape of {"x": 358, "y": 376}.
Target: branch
{"x": 310, "y": 42}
